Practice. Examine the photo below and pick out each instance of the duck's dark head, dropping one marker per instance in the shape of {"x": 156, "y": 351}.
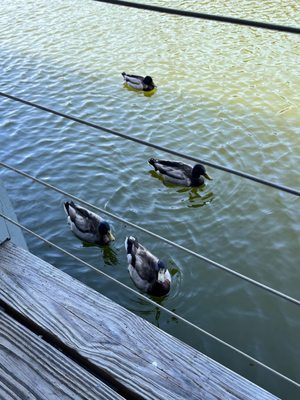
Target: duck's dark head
{"x": 105, "y": 232}
{"x": 199, "y": 170}
{"x": 148, "y": 81}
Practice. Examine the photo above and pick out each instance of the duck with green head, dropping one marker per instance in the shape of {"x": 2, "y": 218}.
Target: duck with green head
{"x": 148, "y": 272}
{"x": 139, "y": 82}
{"x": 86, "y": 225}
{"x": 180, "y": 173}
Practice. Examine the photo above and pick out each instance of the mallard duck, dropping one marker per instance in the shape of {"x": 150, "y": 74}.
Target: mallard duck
{"x": 180, "y": 173}
{"x": 147, "y": 271}
{"x": 86, "y": 225}
{"x": 139, "y": 82}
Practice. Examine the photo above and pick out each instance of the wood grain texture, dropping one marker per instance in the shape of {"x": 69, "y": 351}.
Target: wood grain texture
{"x": 32, "y": 369}
{"x": 140, "y": 357}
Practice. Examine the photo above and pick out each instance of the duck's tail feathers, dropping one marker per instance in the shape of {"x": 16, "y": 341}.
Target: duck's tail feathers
{"x": 124, "y": 75}
{"x": 67, "y": 204}
{"x": 152, "y": 162}
{"x": 130, "y": 241}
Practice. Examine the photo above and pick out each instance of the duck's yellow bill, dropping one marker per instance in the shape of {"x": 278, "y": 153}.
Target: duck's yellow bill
{"x": 111, "y": 236}
{"x": 208, "y": 177}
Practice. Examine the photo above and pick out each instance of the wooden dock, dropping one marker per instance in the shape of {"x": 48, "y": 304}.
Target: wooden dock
{"x": 60, "y": 339}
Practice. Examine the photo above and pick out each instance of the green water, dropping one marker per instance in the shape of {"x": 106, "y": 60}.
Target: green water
{"x": 227, "y": 94}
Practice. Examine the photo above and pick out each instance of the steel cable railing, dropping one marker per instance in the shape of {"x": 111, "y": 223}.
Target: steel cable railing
{"x": 210, "y": 17}
{"x": 186, "y": 250}
{"x": 286, "y": 189}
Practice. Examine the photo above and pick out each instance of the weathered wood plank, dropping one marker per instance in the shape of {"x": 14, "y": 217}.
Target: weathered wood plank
{"x": 32, "y": 369}
{"x": 140, "y": 357}
{"x": 7, "y": 229}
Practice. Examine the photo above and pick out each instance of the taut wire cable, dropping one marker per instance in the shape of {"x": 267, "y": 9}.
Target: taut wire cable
{"x": 191, "y": 324}
{"x": 210, "y": 17}
{"x": 155, "y": 146}
{"x": 186, "y": 250}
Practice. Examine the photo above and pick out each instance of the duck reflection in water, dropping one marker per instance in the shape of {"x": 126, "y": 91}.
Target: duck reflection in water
{"x": 197, "y": 197}
{"x": 170, "y": 319}
{"x": 149, "y": 312}
{"x": 108, "y": 253}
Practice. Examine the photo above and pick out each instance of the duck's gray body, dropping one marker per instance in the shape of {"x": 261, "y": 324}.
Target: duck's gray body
{"x": 180, "y": 173}
{"x": 139, "y": 82}
{"x": 146, "y": 270}
{"x": 85, "y": 224}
